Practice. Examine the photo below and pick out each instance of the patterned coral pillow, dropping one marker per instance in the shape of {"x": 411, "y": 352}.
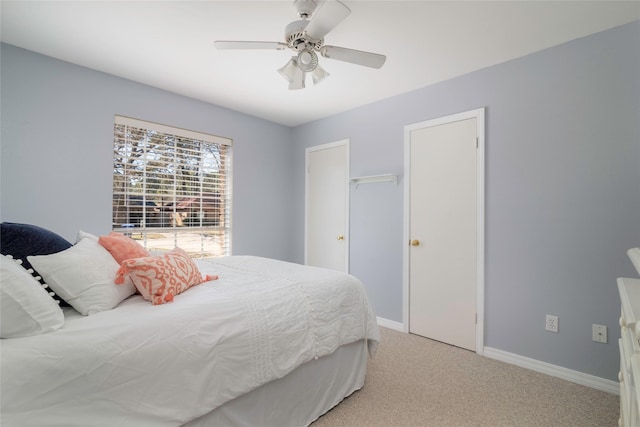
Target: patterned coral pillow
{"x": 122, "y": 247}
{"x": 160, "y": 278}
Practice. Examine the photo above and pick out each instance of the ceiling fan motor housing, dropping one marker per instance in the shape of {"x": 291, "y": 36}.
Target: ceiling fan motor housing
{"x": 297, "y": 39}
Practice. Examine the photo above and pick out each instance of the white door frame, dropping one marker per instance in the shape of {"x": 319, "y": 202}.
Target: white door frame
{"x": 478, "y": 114}
{"x": 309, "y": 150}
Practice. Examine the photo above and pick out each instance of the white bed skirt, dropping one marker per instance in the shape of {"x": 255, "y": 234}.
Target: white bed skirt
{"x": 299, "y": 398}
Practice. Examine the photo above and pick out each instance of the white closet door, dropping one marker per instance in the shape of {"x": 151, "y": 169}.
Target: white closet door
{"x": 443, "y": 221}
{"x": 327, "y": 206}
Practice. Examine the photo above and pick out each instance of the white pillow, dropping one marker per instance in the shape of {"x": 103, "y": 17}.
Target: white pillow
{"x": 84, "y": 235}
{"x": 83, "y": 276}
{"x": 25, "y": 306}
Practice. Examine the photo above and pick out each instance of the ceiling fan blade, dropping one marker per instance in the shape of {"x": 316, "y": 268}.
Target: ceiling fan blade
{"x": 326, "y": 17}
{"x": 224, "y": 44}
{"x": 353, "y": 56}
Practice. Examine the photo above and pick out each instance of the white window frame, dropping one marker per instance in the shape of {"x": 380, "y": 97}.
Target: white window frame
{"x": 196, "y": 215}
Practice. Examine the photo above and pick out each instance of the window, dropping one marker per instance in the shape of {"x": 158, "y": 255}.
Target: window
{"x": 172, "y": 187}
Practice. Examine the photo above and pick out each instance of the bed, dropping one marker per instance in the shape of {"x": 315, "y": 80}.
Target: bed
{"x": 268, "y": 343}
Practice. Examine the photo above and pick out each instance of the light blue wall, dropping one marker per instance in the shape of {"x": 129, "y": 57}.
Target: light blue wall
{"x": 562, "y": 192}
{"x": 57, "y": 142}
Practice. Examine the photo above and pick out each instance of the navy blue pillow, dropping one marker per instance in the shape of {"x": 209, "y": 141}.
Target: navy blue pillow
{"x": 23, "y": 240}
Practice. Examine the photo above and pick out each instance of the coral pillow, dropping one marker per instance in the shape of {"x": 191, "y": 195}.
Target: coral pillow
{"x": 122, "y": 247}
{"x": 160, "y": 278}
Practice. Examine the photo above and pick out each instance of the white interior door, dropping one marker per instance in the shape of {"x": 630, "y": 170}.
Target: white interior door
{"x": 443, "y": 230}
{"x": 326, "y": 242}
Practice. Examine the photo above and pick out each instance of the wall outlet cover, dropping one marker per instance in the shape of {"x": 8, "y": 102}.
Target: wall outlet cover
{"x": 599, "y": 333}
{"x": 551, "y": 323}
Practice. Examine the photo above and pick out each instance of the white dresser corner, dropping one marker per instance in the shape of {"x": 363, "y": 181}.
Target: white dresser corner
{"x": 629, "y": 343}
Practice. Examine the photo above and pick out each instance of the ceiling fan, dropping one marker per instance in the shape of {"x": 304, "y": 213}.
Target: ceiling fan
{"x": 306, "y": 38}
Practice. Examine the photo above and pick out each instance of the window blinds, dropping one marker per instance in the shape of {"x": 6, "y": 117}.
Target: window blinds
{"x": 172, "y": 187}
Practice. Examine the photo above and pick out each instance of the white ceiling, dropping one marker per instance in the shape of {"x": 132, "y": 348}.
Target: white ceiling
{"x": 169, "y": 44}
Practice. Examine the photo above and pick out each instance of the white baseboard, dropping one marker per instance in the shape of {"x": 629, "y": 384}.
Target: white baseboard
{"x": 386, "y": 323}
{"x": 577, "y": 377}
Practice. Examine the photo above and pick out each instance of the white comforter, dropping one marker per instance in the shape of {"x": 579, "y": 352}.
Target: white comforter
{"x": 144, "y": 365}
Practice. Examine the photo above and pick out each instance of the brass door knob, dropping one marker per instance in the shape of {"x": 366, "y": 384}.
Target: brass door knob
{"x": 340, "y": 237}
{"x": 415, "y": 242}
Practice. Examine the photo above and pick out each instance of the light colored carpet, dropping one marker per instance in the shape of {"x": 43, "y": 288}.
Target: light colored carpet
{"x": 413, "y": 381}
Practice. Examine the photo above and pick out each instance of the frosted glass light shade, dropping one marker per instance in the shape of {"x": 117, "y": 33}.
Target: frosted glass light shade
{"x": 289, "y": 70}
{"x": 298, "y": 80}
{"x": 318, "y": 75}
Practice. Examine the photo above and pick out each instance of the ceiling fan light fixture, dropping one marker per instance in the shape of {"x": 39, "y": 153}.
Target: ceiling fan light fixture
{"x": 319, "y": 74}
{"x": 289, "y": 69}
{"x": 297, "y": 82}
{"x": 307, "y": 60}
{"x": 294, "y": 75}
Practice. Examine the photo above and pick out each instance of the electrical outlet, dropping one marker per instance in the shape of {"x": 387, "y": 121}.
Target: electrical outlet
{"x": 599, "y": 333}
{"x": 551, "y": 323}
